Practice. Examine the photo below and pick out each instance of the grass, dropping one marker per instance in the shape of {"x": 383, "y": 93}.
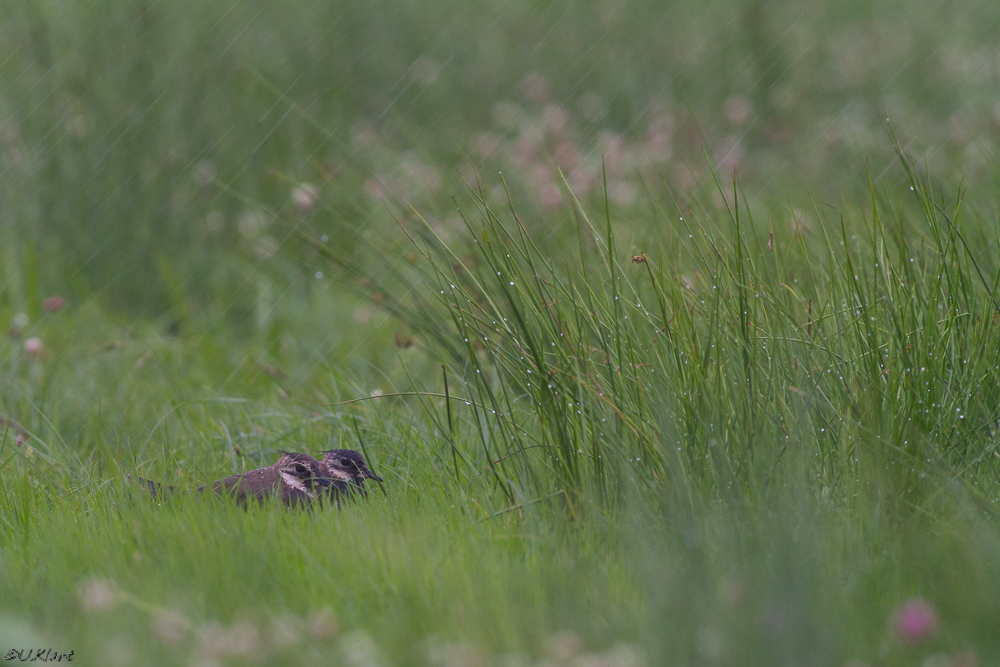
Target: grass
{"x": 683, "y": 483}
{"x": 630, "y": 409}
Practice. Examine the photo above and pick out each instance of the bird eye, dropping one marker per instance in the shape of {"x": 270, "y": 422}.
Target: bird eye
{"x": 301, "y": 469}
{"x": 346, "y": 462}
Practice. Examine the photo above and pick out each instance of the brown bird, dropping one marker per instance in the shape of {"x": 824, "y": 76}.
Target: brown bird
{"x": 297, "y": 478}
{"x": 347, "y": 471}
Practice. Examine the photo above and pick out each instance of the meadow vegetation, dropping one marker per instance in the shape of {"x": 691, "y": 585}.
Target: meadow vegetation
{"x": 672, "y": 328}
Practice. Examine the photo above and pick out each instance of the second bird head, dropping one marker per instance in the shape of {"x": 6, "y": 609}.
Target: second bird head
{"x": 346, "y": 465}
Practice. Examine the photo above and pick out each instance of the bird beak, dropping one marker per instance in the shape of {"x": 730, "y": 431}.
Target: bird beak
{"x": 368, "y": 474}
{"x": 323, "y": 482}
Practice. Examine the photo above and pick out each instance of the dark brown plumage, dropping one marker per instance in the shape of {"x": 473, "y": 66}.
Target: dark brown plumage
{"x": 347, "y": 471}
{"x": 296, "y": 478}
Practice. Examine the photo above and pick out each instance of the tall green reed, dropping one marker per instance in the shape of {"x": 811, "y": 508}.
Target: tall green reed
{"x": 858, "y": 343}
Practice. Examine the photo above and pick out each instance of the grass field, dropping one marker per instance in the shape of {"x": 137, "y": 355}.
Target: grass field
{"x": 672, "y": 327}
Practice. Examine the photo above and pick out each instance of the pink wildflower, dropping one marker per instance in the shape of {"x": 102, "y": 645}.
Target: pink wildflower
{"x": 551, "y": 196}
{"x": 34, "y": 346}
{"x": 915, "y": 621}
{"x": 304, "y": 197}
{"x": 535, "y": 87}
{"x": 53, "y": 303}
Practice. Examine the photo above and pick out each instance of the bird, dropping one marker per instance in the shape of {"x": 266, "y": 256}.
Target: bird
{"x": 347, "y": 471}
{"x": 297, "y": 478}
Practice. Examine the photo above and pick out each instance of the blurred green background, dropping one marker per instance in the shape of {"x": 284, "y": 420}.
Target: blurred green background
{"x": 140, "y": 140}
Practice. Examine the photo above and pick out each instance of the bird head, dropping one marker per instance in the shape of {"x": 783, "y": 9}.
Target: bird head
{"x": 346, "y": 465}
{"x": 301, "y": 472}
